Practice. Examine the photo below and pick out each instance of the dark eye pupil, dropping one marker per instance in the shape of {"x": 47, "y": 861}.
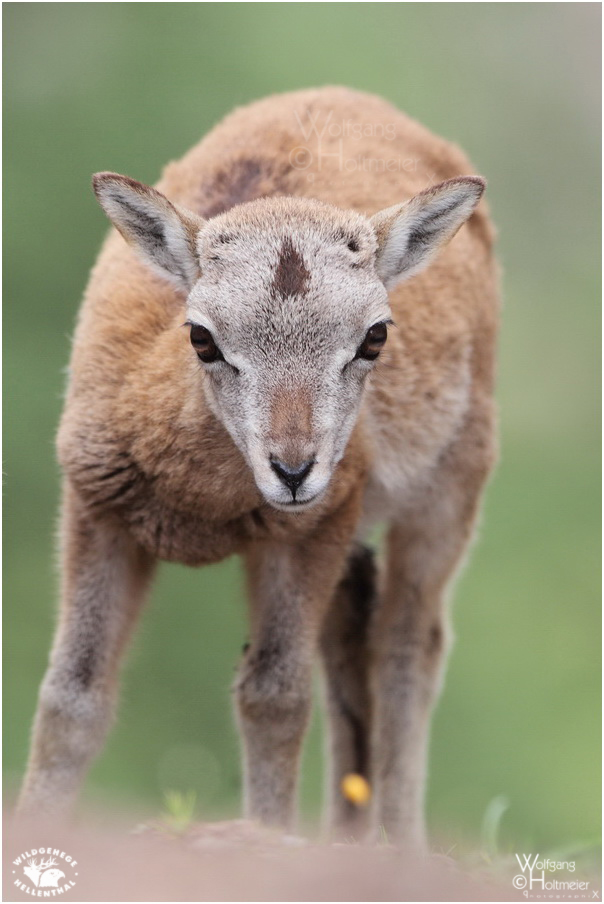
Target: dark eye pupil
{"x": 204, "y": 345}
{"x": 373, "y": 342}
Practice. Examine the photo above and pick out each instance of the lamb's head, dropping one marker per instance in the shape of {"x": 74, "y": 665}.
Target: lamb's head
{"x": 287, "y": 308}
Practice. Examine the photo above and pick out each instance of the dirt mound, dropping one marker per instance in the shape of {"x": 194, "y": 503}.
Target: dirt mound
{"x": 233, "y": 861}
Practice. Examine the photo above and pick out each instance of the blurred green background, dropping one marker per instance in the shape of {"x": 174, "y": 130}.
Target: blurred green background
{"x": 129, "y": 86}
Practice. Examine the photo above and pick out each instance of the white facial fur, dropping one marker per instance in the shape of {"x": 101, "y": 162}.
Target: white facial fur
{"x": 288, "y": 288}
{"x": 288, "y": 304}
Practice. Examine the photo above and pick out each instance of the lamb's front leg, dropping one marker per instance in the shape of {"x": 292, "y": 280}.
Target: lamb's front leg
{"x": 409, "y": 632}
{"x": 290, "y": 587}
{"x": 104, "y": 578}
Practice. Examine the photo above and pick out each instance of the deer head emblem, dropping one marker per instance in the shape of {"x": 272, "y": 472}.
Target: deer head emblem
{"x": 43, "y": 874}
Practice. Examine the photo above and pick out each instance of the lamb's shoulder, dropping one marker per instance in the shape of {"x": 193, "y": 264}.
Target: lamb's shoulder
{"x": 172, "y": 485}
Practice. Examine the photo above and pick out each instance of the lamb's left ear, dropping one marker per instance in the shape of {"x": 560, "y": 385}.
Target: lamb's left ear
{"x": 410, "y": 234}
{"x": 163, "y": 234}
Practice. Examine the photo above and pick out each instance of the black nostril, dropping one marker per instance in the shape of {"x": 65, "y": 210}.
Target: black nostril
{"x": 291, "y": 477}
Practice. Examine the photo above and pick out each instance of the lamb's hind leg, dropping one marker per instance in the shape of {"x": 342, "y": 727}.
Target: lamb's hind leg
{"x": 104, "y": 576}
{"x": 345, "y": 652}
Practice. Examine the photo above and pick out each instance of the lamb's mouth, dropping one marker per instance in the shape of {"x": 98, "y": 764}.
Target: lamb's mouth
{"x": 294, "y": 504}
{"x": 300, "y": 503}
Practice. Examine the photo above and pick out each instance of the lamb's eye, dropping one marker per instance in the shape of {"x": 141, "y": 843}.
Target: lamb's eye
{"x": 204, "y": 345}
{"x": 373, "y": 342}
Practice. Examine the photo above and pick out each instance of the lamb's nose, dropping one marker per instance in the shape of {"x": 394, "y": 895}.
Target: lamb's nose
{"x": 291, "y": 477}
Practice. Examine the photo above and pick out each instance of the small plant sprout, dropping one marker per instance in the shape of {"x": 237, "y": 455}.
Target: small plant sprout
{"x": 179, "y": 810}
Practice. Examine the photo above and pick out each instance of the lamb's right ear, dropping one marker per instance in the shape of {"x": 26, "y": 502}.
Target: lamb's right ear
{"x": 164, "y": 235}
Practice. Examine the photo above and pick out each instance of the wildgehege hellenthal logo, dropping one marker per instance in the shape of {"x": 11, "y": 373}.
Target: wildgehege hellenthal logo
{"x": 45, "y": 872}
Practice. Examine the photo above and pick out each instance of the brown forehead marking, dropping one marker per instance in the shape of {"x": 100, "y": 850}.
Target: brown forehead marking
{"x": 291, "y": 275}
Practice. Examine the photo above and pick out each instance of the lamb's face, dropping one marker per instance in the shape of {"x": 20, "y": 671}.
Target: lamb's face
{"x": 288, "y": 310}
{"x": 288, "y": 320}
